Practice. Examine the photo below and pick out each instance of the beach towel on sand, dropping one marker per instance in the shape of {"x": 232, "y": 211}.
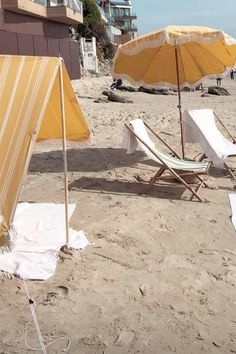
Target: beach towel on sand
{"x": 39, "y": 233}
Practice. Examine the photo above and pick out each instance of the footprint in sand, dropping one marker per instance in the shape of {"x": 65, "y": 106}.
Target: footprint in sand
{"x": 63, "y": 290}
{"x": 52, "y": 297}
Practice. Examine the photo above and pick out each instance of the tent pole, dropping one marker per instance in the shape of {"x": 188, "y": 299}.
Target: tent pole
{"x": 64, "y": 152}
{"x": 179, "y": 104}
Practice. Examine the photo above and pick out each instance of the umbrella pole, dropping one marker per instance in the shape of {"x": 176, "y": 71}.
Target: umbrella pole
{"x": 179, "y": 104}
{"x": 63, "y": 122}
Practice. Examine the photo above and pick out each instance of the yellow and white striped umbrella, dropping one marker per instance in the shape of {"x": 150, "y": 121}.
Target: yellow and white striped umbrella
{"x": 150, "y": 60}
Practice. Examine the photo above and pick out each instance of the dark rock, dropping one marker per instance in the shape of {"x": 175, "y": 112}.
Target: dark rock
{"x": 105, "y": 93}
{"x": 115, "y": 98}
{"x": 151, "y": 91}
{"x": 127, "y": 88}
{"x": 100, "y": 100}
{"x": 219, "y": 91}
{"x": 187, "y": 89}
{"x": 154, "y": 91}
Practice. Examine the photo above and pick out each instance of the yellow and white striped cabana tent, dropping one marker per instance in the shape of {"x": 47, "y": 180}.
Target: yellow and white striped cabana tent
{"x": 37, "y": 101}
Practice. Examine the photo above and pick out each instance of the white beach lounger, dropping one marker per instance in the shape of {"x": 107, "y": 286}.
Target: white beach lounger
{"x": 136, "y": 137}
{"x": 199, "y": 126}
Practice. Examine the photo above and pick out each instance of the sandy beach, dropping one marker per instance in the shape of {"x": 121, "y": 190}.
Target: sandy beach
{"x": 159, "y": 275}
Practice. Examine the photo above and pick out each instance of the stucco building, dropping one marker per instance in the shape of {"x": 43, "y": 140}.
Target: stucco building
{"x": 41, "y": 27}
{"x": 120, "y": 20}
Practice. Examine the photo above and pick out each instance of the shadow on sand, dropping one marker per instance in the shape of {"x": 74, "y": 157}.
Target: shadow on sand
{"x": 106, "y": 159}
{"x": 128, "y": 188}
{"x": 86, "y": 160}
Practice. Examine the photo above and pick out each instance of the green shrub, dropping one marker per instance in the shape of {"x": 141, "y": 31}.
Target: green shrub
{"x": 94, "y": 27}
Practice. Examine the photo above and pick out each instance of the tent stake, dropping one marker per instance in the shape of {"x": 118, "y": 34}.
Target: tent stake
{"x": 64, "y": 153}
{"x": 179, "y": 104}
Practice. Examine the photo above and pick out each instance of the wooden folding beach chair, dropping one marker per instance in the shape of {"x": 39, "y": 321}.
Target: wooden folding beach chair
{"x": 211, "y": 139}
{"x": 166, "y": 162}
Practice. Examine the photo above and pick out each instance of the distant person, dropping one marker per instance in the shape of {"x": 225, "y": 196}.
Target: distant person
{"x": 232, "y": 74}
{"x": 116, "y": 84}
{"x": 218, "y": 81}
{"x": 200, "y": 87}
{"x": 113, "y": 84}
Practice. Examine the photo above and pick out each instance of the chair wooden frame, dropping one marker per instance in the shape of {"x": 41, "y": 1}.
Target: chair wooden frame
{"x": 164, "y": 167}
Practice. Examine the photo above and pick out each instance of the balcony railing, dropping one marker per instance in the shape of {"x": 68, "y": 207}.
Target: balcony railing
{"x": 40, "y": 2}
{"x": 74, "y": 5}
{"x": 120, "y": 3}
{"x": 125, "y": 17}
{"x": 132, "y": 28}
{"x": 65, "y": 11}
{"x": 129, "y": 27}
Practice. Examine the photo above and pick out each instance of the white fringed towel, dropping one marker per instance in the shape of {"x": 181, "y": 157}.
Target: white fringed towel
{"x": 199, "y": 127}
{"x": 39, "y": 234}
{"x": 131, "y": 143}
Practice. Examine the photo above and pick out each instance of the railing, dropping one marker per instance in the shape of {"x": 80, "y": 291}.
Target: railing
{"x": 125, "y": 17}
{"x": 121, "y": 3}
{"x": 127, "y": 27}
{"x": 75, "y": 5}
{"x": 40, "y": 2}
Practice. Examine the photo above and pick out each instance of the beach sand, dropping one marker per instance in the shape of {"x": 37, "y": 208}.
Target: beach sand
{"x": 160, "y": 273}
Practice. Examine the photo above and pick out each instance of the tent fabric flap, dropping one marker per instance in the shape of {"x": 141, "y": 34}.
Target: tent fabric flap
{"x": 30, "y": 98}
{"x": 76, "y": 126}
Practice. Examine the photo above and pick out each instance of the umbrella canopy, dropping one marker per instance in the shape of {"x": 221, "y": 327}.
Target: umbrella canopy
{"x": 175, "y": 56}
{"x": 150, "y": 60}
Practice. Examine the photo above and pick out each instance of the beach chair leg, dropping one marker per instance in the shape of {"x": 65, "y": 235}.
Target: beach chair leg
{"x": 197, "y": 190}
{"x": 203, "y": 182}
{"x": 230, "y": 171}
{"x": 160, "y": 172}
{"x": 153, "y": 180}
{"x": 192, "y": 191}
